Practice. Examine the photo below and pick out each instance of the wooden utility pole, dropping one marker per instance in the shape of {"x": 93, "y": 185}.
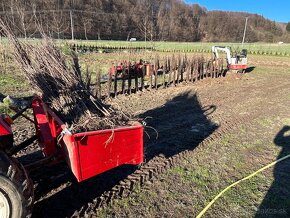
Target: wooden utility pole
{"x": 71, "y": 25}
{"x": 245, "y": 30}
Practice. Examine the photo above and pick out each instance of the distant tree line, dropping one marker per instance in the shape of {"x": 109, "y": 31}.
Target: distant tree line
{"x": 152, "y": 20}
{"x": 288, "y": 27}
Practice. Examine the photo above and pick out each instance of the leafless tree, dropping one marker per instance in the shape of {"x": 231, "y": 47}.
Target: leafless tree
{"x": 59, "y": 22}
{"x": 148, "y": 20}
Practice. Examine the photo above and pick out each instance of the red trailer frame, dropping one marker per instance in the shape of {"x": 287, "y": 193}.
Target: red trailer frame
{"x": 87, "y": 153}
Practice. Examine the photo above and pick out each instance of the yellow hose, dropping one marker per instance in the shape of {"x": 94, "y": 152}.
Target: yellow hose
{"x": 237, "y": 182}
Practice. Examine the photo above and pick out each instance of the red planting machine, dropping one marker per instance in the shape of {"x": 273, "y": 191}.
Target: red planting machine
{"x": 86, "y": 153}
{"x": 125, "y": 68}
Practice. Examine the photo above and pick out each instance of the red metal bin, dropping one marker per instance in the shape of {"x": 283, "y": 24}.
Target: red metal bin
{"x": 91, "y": 153}
{"x": 88, "y": 153}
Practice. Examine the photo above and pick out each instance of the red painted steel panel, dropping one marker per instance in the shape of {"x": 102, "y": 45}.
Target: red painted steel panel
{"x": 5, "y": 129}
{"x": 71, "y": 154}
{"x": 45, "y": 138}
{"x": 93, "y": 153}
{"x": 89, "y": 153}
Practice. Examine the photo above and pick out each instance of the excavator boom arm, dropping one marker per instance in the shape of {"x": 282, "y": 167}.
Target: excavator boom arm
{"x": 215, "y": 50}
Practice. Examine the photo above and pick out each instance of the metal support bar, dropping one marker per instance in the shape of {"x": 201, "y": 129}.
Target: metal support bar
{"x": 20, "y": 113}
{"x": 38, "y": 164}
{"x": 22, "y": 145}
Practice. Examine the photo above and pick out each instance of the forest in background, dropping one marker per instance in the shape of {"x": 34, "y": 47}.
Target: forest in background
{"x": 153, "y": 20}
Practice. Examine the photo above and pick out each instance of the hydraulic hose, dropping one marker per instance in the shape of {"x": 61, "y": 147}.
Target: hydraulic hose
{"x": 237, "y": 182}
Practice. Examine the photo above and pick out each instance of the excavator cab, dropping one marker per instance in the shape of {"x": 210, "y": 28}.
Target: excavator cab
{"x": 244, "y": 53}
{"x": 241, "y": 58}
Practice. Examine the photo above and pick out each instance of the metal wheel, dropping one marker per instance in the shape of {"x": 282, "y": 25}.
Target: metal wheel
{"x": 16, "y": 189}
{"x": 5, "y": 207}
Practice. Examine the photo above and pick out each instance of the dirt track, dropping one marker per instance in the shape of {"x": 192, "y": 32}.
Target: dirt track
{"x": 184, "y": 117}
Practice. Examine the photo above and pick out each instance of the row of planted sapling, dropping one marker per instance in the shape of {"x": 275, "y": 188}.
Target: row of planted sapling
{"x": 266, "y": 49}
{"x": 130, "y": 77}
{"x": 106, "y": 48}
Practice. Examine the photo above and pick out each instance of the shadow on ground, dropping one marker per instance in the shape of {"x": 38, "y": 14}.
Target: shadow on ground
{"x": 277, "y": 200}
{"x": 181, "y": 123}
{"x": 1, "y": 97}
{"x": 250, "y": 69}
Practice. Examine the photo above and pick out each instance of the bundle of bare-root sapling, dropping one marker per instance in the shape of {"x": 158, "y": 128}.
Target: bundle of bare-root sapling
{"x": 62, "y": 86}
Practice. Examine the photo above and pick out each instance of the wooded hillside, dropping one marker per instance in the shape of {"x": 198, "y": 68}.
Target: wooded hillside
{"x": 165, "y": 20}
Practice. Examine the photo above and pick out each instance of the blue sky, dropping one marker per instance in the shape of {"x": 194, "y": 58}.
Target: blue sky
{"x": 278, "y": 10}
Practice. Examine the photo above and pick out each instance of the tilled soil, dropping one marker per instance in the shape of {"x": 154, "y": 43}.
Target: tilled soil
{"x": 178, "y": 121}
